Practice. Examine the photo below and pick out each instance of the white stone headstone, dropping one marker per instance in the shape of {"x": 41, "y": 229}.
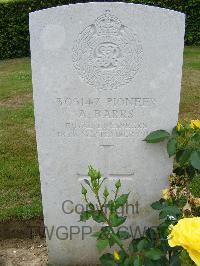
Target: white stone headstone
{"x": 104, "y": 76}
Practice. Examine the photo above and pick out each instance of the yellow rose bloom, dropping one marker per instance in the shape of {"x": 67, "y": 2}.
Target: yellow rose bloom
{"x": 179, "y": 126}
{"x": 166, "y": 194}
{"x": 195, "y": 124}
{"x": 116, "y": 255}
{"x": 186, "y": 233}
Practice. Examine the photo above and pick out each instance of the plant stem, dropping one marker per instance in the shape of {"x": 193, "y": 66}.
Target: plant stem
{"x": 118, "y": 242}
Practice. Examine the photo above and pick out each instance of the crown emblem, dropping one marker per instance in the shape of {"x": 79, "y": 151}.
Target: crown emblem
{"x": 107, "y": 24}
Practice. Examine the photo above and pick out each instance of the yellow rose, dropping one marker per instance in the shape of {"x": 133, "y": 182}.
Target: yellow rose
{"x": 116, "y": 255}
{"x": 195, "y": 124}
{"x": 186, "y": 233}
{"x": 179, "y": 126}
{"x": 166, "y": 194}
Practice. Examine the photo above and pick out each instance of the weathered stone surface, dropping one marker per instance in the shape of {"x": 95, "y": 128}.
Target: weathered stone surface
{"x": 104, "y": 76}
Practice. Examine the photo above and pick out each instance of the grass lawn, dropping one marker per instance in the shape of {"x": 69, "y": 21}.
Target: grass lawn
{"x": 19, "y": 175}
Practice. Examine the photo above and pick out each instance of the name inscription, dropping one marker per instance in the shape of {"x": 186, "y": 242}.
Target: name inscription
{"x": 103, "y": 117}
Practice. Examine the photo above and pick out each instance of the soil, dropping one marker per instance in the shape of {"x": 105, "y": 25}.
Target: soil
{"x": 23, "y": 252}
{"x": 22, "y": 228}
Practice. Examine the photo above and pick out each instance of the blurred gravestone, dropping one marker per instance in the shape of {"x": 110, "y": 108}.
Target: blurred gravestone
{"x": 104, "y": 76}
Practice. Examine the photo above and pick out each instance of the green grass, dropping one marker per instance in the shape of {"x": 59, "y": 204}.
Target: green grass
{"x": 190, "y": 94}
{"x": 19, "y": 176}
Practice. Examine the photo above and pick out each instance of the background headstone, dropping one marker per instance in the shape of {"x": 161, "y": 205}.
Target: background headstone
{"x": 104, "y": 76}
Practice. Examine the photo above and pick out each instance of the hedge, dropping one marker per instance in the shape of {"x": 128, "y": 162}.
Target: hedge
{"x": 14, "y": 33}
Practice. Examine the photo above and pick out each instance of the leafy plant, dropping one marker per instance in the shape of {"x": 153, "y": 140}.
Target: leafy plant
{"x": 183, "y": 143}
{"x": 152, "y": 249}
{"x": 107, "y": 235}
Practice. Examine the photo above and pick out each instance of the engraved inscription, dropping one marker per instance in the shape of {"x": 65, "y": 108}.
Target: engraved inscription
{"x": 105, "y": 117}
{"x": 107, "y": 54}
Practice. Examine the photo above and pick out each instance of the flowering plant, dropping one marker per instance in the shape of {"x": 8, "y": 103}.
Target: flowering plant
{"x": 184, "y": 144}
{"x": 151, "y": 249}
{"x": 178, "y": 229}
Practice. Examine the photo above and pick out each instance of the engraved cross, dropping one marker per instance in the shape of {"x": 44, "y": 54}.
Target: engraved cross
{"x": 106, "y": 168}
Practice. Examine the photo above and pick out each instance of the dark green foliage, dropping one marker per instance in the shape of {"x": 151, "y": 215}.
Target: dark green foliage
{"x": 184, "y": 144}
{"x": 14, "y": 33}
{"x": 185, "y": 259}
{"x": 157, "y": 136}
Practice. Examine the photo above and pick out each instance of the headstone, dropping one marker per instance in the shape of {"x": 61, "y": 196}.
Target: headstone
{"x": 104, "y": 76}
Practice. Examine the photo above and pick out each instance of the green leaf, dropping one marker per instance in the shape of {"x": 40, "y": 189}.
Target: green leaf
{"x": 196, "y": 137}
{"x": 175, "y": 261}
{"x": 107, "y": 260}
{"x": 163, "y": 261}
{"x": 143, "y": 244}
{"x": 163, "y": 229}
{"x": 128, "y": 261}
{"x": 154, "y": 254}
{"x": 96, "y": 234}
{"x": 195, "y": 159}
{"x": 174, "y": 132}
{"x": 157, "y": 136}
{"x": 116, "y": 239}
{"x": 111, "y": 241}
{"x": 120, "y": 201}
{"x": 111, "y": 206}
{"x": 151, "y": 234}
{"x": 133, "y": 245}
{"x": 98, "y": 217}
{"x": 138, "y": 261}
{"x": 84, "y": 216}
{"x": 102, "y": 244}
{"x": 171, "y": 147}
{"x": 116, "y": 220}
{"x": 170, "y": 210}
{"x": 184, "y": 157}
{"x": 157, "y": 205}
{"x": 123, "y": 234}
{"x": 148, "y": 262}
{"x": 105, "y": 232}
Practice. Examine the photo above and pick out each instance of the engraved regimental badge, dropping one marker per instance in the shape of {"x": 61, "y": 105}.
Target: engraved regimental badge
{"x": 107, "y": 54}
